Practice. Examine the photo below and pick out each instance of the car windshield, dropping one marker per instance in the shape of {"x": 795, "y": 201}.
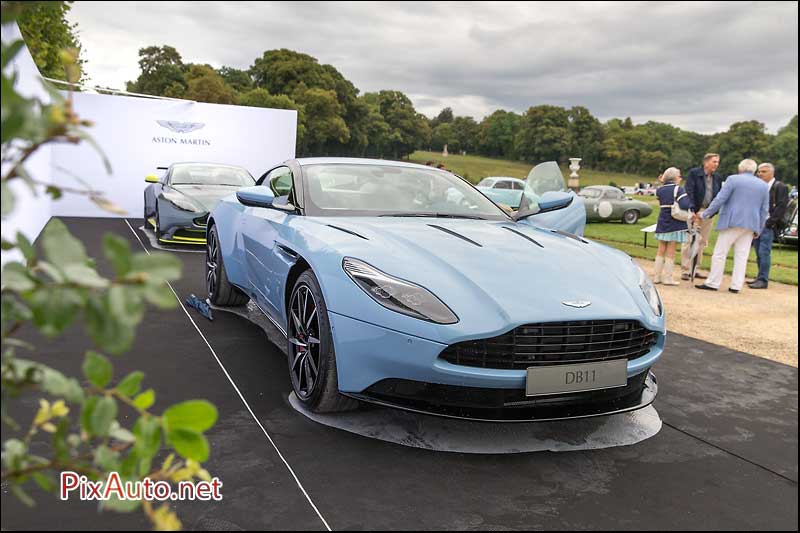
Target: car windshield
{"x": 384, "y": 190}
{"x": 211, "y": 175}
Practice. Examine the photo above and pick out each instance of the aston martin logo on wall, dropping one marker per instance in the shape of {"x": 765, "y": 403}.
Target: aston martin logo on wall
{"x": 180, "y": 127}
{"x": 579, "y": 304}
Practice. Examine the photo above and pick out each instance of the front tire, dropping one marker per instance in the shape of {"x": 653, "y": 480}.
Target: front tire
{"x": 630, "y": 216}
{"x": 220, "y": 291}
{"x": 312, "y": 362}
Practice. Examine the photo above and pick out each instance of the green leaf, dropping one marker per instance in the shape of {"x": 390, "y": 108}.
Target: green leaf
{"x": 22, "y": 496}
{"x": 145, "y": 400}
{"x": 82, "y": 275}
{"x": 158, "y": 266}
{"x": 47, "y": 483}
{"x": 54, "y": 309}
{"x": 52, "y": 381}
{"x": 120, "y": 506}
{"x": 54, "y": 192}
{"x": 11, "y": 50}
{"x": 129, "y": 385}
{"x": 106, "y": 458}
{"x": 103, "y": 414}
{"x": 26, "y": 247}
{"x": 15, "y": 278}
{"x": 12, "y": 311}
{"x": 7, "y": 197}
{"x": 160, "y": 296}
{"x": 97, "y": 369}
{"x": 120, "y": 433}
{"x": 147, "y": 431}
{"x": 193, "y": 415}
{"x": 107, "y": 329}
{"x": 189, "y": 444}
{"x": 118, "y": 252}
{"x": 125, "y": 304}
{"x": 87, "y": 413}
{"x": 60, "y": 247}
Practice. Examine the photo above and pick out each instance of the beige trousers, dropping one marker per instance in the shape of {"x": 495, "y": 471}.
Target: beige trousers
{"x": 740, "y": 239}
{"x": 703, "y": 227}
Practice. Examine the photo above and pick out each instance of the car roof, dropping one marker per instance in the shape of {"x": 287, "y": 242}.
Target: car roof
{"x": 504, "y": 178}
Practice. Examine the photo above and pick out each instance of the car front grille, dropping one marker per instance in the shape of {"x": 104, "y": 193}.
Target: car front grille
{"x": 554, "y": 343}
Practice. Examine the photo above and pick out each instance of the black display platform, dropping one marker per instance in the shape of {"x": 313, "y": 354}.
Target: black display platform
{"x": 726, "y": 457}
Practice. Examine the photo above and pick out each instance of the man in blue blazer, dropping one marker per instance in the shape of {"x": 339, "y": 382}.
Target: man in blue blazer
{"x": 702, "y": 186}
{"x": 743, "y": 206}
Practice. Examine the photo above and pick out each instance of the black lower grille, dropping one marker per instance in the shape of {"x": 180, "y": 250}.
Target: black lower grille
{"x": 201, "y": 221}
{"x": 554, "y": 343}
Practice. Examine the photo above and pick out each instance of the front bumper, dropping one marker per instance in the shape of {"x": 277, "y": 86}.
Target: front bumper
{"x": 384, "y": 366}
{"x": 180, "y": 227}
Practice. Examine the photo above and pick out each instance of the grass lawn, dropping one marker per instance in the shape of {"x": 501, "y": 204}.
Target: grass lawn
{"x": 630, "y": 239}
{"x": 475, "y": 168}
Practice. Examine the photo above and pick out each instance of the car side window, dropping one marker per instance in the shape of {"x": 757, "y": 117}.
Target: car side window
{"x": 517, "y": 186}
{"x": 280, "y": 181}
{"x": 502, "y": 185}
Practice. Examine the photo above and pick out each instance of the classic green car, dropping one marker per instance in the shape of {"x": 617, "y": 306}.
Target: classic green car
{"x": 604, "y": 203}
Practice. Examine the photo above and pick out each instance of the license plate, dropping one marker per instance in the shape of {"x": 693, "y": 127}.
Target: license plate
{"x": 576, "y": 378}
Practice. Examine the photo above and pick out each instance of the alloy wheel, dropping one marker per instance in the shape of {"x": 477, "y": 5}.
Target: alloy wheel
{"x": 212, "y": 261}
{"x": 304, "y": 353}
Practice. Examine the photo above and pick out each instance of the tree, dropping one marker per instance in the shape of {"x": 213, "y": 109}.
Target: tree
{"x": 205, "y": 85}
{"x": 293, "y": 73}
{"x": 544, "y": 134}
{"x": 46, "y": 32}
{"x": 465, "y": 130}
{"x": 375, "y": 128}
{"x": 586, "y": 136}
{"x": 161, "y": 69}
{"x": 782, "y": 152}
{"x": 259, "y": 97}
{"x": 497, "y": 132}
{"x": 407, "y": 128}
{"x": 743, "y": 140}
{"x": 324, "y": 124}
{"x": 238, "y": 80}
{"x": 443, "y": 135}
{"x": 445, "y": 116}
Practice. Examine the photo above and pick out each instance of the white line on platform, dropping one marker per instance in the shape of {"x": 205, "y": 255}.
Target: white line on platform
{"x": 225, "y": 371}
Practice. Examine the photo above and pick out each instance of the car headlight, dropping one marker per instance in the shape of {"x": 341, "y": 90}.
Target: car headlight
{"x": 182, "y": 202}
{"x": 650, "y": 292}
{"x": 397, "y": 294}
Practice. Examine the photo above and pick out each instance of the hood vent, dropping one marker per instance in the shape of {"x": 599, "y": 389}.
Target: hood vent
{"x": 351, "y": 232}
{"x": 454, "y": 234}
{"x": 531, "y": 239}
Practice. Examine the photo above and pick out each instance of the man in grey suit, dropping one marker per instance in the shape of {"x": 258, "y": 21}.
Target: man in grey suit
{"x": 743, "y": 205}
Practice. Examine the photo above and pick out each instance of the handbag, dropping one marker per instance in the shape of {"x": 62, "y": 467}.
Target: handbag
{"x": 677, "y": 213}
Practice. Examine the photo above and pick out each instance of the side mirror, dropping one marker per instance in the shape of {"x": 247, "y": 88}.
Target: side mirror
{"x": 151, "y": 178}
{"x": 554, "y": 200}
{"x": 257, "y": 196}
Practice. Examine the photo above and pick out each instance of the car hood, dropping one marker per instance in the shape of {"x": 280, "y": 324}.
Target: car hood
{"x": 206, "y": 196}
{"x": 492, "y": 274}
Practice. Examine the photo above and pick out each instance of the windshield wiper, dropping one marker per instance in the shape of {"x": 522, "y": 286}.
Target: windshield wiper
{"x": 433, "y": 215}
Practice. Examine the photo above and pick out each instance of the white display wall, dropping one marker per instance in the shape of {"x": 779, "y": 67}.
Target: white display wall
{"x": 137, "y": 135}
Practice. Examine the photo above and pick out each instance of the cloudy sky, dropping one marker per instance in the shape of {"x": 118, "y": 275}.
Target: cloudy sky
{"x": 700, "y": 66}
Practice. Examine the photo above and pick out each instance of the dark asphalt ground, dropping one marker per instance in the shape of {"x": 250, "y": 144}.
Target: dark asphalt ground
{"x": 726, "y": 457}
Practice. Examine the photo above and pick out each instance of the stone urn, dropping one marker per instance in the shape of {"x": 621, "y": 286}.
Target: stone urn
{"x": 574, "y": 181}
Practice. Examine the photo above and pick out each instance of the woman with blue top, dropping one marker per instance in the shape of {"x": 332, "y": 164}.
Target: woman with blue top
{"x": 669, "y": 230}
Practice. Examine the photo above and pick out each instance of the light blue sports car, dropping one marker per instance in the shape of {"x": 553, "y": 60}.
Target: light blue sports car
{"x": 403, "y": 285}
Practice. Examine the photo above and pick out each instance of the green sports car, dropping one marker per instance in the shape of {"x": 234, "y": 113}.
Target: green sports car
{"x": 604, "y": 203}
